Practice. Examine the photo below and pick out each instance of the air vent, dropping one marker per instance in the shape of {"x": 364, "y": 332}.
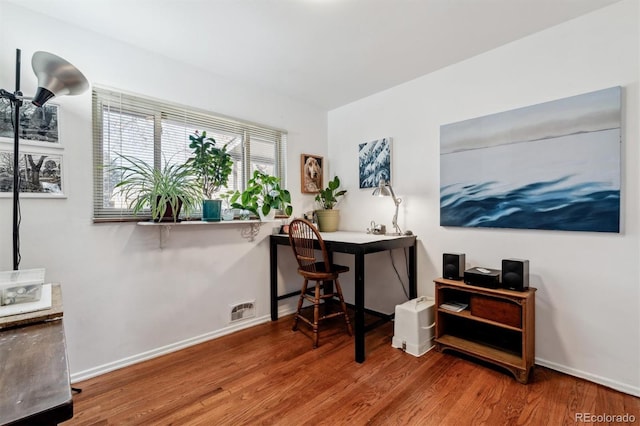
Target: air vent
{"x": 243, "y": 311}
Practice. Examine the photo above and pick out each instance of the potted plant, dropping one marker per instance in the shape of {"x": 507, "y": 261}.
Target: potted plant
{"x": 328, "y": 217}
{"x": 263, "y": 196}
{"x": 212, "y": 166}
{"x": 227, "y": 210}
{"x": 165, "y": 191}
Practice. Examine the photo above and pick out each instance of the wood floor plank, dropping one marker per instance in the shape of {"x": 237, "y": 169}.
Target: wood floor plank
{"x": 270, "y": 375}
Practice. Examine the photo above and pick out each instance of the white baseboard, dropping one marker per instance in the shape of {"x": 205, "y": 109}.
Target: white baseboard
{"x": 154, "y": 353}
{"x": 286, "y": 310}
{"x": 622, "y": 387}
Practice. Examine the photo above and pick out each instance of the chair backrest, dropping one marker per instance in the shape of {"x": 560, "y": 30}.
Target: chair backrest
{"x": 302, "y": 237}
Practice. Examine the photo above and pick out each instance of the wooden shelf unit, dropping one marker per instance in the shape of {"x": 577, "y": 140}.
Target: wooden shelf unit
{"x": 501, "y": 329}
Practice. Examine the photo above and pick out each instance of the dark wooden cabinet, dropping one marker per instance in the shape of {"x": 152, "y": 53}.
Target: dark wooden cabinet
{"x": 498, "y": 325}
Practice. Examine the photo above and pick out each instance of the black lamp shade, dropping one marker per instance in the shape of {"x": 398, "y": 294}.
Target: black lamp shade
{"x": 42, "y": 96}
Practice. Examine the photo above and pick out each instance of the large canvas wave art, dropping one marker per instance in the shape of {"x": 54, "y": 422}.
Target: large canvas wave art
{"x": 552, "y": 166}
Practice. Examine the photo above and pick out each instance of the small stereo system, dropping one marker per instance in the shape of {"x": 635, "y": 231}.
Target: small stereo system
{"x": 514, "y": 274}
{"x": 482, "y": 277}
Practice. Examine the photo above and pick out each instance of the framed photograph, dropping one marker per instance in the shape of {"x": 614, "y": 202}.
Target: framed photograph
{"x": 38, "y": 125}
{"x": 40, "y": 173}
{"x": 311, "y": 167}
{"x": 374, "y": 162}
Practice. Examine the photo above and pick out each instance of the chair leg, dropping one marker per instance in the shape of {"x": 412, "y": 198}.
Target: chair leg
{"x": 344, "y": 306}
{"x": 300, "y": 300}
{"x": 316, "y": 314}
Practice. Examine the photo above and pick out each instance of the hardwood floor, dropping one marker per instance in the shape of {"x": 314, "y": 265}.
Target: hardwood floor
{"x": 269, "y": 375}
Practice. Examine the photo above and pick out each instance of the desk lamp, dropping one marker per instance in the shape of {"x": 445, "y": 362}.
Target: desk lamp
{"x": 55, "y": 77}
{"x": 384, "y": 189}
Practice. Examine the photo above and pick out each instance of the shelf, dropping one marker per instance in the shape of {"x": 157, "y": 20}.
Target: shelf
{"x": 201, "y": 222}
{"x": 488, "y": 353}
{"x": 501, "y": 329}
{"x": 250, "y": 232}
{"x": 467, "y": 314}
{"x": 504, "y": 293}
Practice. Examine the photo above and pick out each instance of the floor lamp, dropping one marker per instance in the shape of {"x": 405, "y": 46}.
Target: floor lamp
{"x": 56, "y": 77}
{"x": 384, "y": 189}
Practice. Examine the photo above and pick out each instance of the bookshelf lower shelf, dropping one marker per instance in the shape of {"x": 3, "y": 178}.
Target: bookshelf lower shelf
{"x": 480, "y": 350}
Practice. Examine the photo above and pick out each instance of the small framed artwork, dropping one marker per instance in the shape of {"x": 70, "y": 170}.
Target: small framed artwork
{"x": 374, "y": 162}
{"x": 311, "y": 167}
{"x": 38, "y": 125}
{"x": 40, "y": 174}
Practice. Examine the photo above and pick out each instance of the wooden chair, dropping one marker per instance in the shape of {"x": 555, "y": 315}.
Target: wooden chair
{"x": 303, "y": 236}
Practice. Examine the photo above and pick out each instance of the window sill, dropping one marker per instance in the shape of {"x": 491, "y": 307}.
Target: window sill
{"x": 250, "y": 232}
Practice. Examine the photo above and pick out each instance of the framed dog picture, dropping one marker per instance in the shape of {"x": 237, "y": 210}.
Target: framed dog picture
{"x": 311, "y": 173}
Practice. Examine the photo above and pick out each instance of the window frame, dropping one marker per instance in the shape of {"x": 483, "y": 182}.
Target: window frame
{"x": 159, "y": 110}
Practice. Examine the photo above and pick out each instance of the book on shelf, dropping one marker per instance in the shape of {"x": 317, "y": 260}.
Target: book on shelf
{"x": 454, "y": 306}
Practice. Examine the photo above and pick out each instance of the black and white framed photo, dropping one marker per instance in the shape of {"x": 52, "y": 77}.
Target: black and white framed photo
{"x": 38, "y": 125}
{"x": 40, "y": 173}
{"x": 374, "y": 162}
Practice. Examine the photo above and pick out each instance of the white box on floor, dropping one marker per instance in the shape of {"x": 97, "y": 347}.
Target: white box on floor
{"x": 414, "y": 326}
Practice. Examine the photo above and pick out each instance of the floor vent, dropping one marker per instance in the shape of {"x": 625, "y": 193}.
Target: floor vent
{"x": 243, "y": 311}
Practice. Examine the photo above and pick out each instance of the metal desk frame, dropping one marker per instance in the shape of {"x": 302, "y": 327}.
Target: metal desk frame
{"x": 358, "y": 244}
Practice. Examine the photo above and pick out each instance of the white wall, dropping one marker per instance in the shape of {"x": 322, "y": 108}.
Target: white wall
{"x": 124, "y": 297}
{"x": 588, "y": 299}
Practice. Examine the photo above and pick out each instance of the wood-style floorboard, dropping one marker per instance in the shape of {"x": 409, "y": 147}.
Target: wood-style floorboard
{"x": 270, "y": 375}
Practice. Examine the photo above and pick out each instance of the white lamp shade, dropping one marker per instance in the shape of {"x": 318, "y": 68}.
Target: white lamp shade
{"x": 56, "y": 77}
{"x": 382, "y": 190}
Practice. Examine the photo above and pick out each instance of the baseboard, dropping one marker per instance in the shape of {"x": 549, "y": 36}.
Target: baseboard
{"x": 622, "y": 387}
{"x": 144, "y": 356}
{"x": 286, "y": 310}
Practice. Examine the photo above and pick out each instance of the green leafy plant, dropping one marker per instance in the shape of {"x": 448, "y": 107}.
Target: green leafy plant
{"x": 144, "y": 186}
{"x": 211, "y": 165}
{"x": 328, "y": 197}
{"x": 263, "y": 194}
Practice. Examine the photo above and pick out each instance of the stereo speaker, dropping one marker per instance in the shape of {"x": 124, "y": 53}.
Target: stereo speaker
{"x": 515, "y": 274}
{"x": 453, "y": 266}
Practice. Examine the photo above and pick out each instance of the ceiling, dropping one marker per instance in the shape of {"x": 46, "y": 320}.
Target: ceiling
{"x": 324, "y": 52}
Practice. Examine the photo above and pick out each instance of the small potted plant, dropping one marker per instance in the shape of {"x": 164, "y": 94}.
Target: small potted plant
{"x": 328, "y": 217}
{"x": 227, "y": 210}
{"x": 212, "y": 166}
{"x": 165, "y": 191}
{"x": 263, "y": 196}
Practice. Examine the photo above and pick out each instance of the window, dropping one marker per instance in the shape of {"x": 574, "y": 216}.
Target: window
{"x": 158, "y": 132}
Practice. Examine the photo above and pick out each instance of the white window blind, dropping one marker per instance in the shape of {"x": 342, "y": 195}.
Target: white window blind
{"x": 158, "y": 132}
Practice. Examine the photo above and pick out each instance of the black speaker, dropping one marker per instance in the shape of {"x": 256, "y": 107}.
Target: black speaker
{"x": 453, "y": 266}
{"x": 515, "y": 274}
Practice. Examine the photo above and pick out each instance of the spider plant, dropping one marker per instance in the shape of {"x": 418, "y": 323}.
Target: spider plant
{"x": 163, "y": 190}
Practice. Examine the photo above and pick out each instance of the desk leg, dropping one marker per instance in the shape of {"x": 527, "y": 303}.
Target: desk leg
{"x": 413, "y": 271}
{"x": 273, "y": 278}
{"x": 359, "y": 306}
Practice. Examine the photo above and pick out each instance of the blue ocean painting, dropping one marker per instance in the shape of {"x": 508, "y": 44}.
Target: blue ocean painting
{"x": 552, "y": 166}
